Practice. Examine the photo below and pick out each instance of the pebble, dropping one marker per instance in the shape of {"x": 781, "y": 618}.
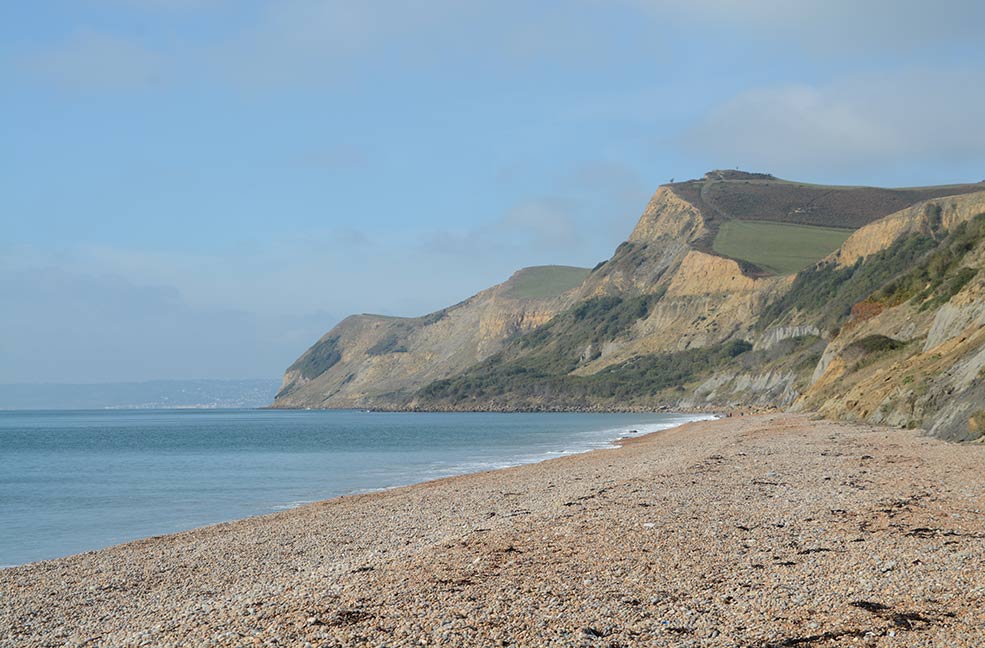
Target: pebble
{"x": 735, "y": 563}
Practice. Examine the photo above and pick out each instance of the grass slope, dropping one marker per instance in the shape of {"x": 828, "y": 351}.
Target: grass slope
{"x": 544, "y": 282}
{"x": 783, "y": 248}
{"x": 735, "y": 195}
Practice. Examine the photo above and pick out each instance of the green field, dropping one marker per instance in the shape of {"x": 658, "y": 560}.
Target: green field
{"x": 544, "y": 282}
{"x": 783, "y": 248}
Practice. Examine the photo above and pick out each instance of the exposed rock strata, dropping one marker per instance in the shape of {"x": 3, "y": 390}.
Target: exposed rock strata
{"x": 695, "y": 300}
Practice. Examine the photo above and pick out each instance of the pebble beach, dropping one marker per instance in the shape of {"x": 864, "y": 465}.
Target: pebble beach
{"x": 756, "y": 531}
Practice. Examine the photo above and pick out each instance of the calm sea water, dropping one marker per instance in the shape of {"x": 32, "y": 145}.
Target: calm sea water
{"x": 71, "y": 481}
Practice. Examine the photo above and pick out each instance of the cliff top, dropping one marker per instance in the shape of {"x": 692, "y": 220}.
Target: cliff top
{"x": 776, "y": 226}
{"x": 544, "y": 282}
{"x": 722, "y": 195}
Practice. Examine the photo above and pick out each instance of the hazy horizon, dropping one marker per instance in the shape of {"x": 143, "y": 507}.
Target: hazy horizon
{"x": 148, "y": 394}
{"x": 202, "y": 188}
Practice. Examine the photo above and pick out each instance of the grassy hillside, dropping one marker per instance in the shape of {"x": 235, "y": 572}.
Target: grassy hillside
{"x": 728, "y": 199}
{"x": 544, "y": 282}
{"x": 736, "y": 195}
{"x": 782, "y": 248}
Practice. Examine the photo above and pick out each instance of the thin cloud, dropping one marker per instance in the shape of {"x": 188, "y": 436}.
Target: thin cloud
{"x": 861, "y": 123}
{"x": 332, "y": 158}
{"x": 91, "y": 60}
{"x": 589, "y": 209}
{"x": 316, "y": 41}
{"x": 169, "y": 5}
{"x": 833, "y": 26}
{"x": 541, "y": 224}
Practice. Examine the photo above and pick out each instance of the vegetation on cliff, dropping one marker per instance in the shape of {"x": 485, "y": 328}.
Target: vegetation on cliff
{"x": 373, "y": 360}
{"x": 825, "y": 293}
{"x": 320, "y": 358}
{"x": 524, "y": 383}
{"x": 933, "y": 282}
{"x": 691, "y": 312}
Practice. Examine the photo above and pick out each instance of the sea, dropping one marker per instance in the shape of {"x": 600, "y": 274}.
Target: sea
{"x": 74, "y": 481}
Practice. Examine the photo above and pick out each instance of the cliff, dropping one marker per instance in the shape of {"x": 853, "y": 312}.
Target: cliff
{"x": 878, "y": 316}
{"x": 913, "y": 352}
{"x": 378, "y": 361}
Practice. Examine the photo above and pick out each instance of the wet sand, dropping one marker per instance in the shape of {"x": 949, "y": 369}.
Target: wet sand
{"x": 772, "y": 530}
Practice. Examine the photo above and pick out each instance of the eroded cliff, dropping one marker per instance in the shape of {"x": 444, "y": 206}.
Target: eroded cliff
{"x": 379, "y": 361}
{"x": 669, "y": 322}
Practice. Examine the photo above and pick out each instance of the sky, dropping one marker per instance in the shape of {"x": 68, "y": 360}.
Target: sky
{"x": 202, "y": 188}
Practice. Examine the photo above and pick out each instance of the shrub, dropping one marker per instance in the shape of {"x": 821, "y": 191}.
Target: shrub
{"x": 875, "y": 343}
{"x": 389, "y": 344}
{"x": 319, "y": 358}
{"x": 828, "y": 292}
{"x": 636, "y": 378}
{"x": 942, "y": 274}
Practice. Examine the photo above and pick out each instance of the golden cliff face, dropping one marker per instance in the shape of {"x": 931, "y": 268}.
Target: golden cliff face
{"x": 384, "y": 359}
{"x": 656, "y": 246}
{"x": 707, "y": 297}
{"x": 667, "y": 215}
{"x": 935, "y": 376}
{"x": 707, "y": 300}
{"x": 706, "y": 274}
{"x": 922, "y": 218}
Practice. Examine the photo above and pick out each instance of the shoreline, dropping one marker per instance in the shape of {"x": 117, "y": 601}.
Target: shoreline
{"x": 608, "y": 438}
{"x": 493, "y": 409}
{"x": 738, "y": 531}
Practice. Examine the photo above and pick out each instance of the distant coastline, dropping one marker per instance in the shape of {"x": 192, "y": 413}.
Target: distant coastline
{"x": 151, "y": 394}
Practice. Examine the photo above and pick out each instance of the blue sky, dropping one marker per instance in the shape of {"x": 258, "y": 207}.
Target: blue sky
{"x": 201, "y": 188}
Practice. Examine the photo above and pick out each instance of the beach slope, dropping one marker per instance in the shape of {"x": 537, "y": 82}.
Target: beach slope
{"x": 773, "y": 530}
